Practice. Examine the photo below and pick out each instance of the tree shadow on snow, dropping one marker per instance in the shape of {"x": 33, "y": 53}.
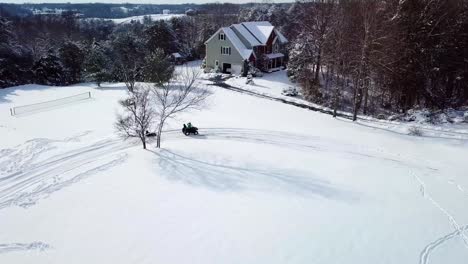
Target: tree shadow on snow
{"x": 13, "y": 91}
{"x": 218, "y": 176}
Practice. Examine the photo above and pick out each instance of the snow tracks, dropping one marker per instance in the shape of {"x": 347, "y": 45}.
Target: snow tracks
{"x": 458, "y": 230}
{"x": 40, "y": 246}
{"x": 39, "y": 167}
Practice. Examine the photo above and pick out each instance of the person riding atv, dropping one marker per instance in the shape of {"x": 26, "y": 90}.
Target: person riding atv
{"x": 189, "y": 129}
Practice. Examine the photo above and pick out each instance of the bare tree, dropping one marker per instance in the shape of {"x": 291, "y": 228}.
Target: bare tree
{"x": 180, "y": 94}
{"x": 138, "y": 114}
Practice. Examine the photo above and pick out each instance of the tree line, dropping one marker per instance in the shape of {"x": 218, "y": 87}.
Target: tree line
{"x": 363, "y": 56}
{"x": 373, "y": 56}
{"x": 63, "y": 50}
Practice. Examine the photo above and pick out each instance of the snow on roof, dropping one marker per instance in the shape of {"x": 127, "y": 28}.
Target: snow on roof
{"x": 281, "y": 37}
{"x": 246, "y": 34}
{"x": 176, "y": 55}
{"x": 241, "y": 48}
{"x": 261, "y": 30}
{"x": 274, "y": 55}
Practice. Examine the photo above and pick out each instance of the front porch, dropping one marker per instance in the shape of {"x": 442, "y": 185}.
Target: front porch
{"x": 275, "y": 62}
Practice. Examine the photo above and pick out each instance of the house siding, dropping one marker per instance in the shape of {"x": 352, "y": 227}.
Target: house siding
{"x": 213, "y": 53}
{"x": 269, "y": 44}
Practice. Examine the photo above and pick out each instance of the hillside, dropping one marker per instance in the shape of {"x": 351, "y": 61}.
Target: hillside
{"x": 264, "y": 182}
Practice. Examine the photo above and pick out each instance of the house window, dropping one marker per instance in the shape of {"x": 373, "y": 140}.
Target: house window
{"x": 226, "y": 50}
{"x": 275, "y": 48}
{"x": 221, "y": 36}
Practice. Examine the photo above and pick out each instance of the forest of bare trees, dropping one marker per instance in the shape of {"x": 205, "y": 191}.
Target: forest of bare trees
{"x": 380, "y": 56}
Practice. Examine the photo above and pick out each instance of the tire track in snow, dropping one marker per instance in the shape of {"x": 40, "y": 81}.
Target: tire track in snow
{"x": 40, "y": 246}
{"x": 459, "y": 230}
{"x": 430, "y": 247}
{"x": 32, "y": 182}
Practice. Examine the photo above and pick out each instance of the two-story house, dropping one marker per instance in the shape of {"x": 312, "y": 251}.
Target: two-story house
{"x": 231, "y": 48}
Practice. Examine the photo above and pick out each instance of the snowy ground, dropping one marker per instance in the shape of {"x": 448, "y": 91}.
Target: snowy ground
{"x": 154, "y": 17}
{"x": 265, "y": 182}
{"x": 273, "y": 84}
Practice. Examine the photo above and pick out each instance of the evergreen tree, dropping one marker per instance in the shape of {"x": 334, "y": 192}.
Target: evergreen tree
{"x": 160, "y": 36}
{"x": 48, "y": 70}
{"x": 15, "y": 60}
{"x": 129, "y": 52}
{"x": 72, "y": 58}
{"x": 158, "y": 68}
{"x": 96, "y": 65}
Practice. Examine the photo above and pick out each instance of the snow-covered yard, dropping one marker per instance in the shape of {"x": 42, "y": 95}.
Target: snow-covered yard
{"x": 273, "y": 84}
{"x": 264, "y": 182}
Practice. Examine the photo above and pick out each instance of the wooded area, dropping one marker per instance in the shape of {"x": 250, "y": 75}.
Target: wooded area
{"x": 381, "y": 55}
{"x": 357, "y": 55}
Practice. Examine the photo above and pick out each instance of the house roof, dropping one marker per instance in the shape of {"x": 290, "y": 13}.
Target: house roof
{"x": 274, "y": 55}
{"x": 261, "y": 30}
{"x": 281, "y": 37}
{"x": 246, "y": 34}
{"x": 240, "y": 47}
{"x": 255, "y": 33}
{"x": 176, "y": 55}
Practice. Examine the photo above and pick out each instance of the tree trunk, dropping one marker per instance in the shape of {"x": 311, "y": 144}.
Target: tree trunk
{"x": 366, "y": 96}
{"x": 158, "y": 140}
{"x": 158, "y": 137}
{"x": 144, "y": 144}
{"x": 335, "y": 99}
{"x": 337, "y": 93}
{"x": 357, "y": 98}
{"x": 317, "y": 67}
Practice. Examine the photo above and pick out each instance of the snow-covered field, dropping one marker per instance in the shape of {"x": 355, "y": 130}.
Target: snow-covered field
{"x": 264, "y": 182}
{"x": 154, "y": 17}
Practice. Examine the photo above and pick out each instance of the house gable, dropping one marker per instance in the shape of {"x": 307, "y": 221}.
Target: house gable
{"x": 229, "y": 50}
{"x": 233, "y": 45}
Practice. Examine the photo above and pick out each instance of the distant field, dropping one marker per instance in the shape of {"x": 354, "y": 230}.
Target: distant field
{"x": 140, "y": 18}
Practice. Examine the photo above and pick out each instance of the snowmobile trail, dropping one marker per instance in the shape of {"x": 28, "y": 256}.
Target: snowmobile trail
{"x": 28, "y": 180}
{"x": 40, "y": 246}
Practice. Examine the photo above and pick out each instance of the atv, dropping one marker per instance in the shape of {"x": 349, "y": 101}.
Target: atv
{"x": 192, "y": 130}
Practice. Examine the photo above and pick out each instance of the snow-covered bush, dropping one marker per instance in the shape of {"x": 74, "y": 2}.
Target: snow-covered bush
{"x": 290, "y": 91}
{"x": 249, "y": 79}
{"x": 440, "y": 117}
{"x": 203, "y": 64}
{"x": 415, "y": 131}
{"x": 254, "y": 71}
{"x": 216, "y": 78}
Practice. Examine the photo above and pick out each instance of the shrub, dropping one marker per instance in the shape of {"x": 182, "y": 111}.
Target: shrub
{"x": 415, "y": 131}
